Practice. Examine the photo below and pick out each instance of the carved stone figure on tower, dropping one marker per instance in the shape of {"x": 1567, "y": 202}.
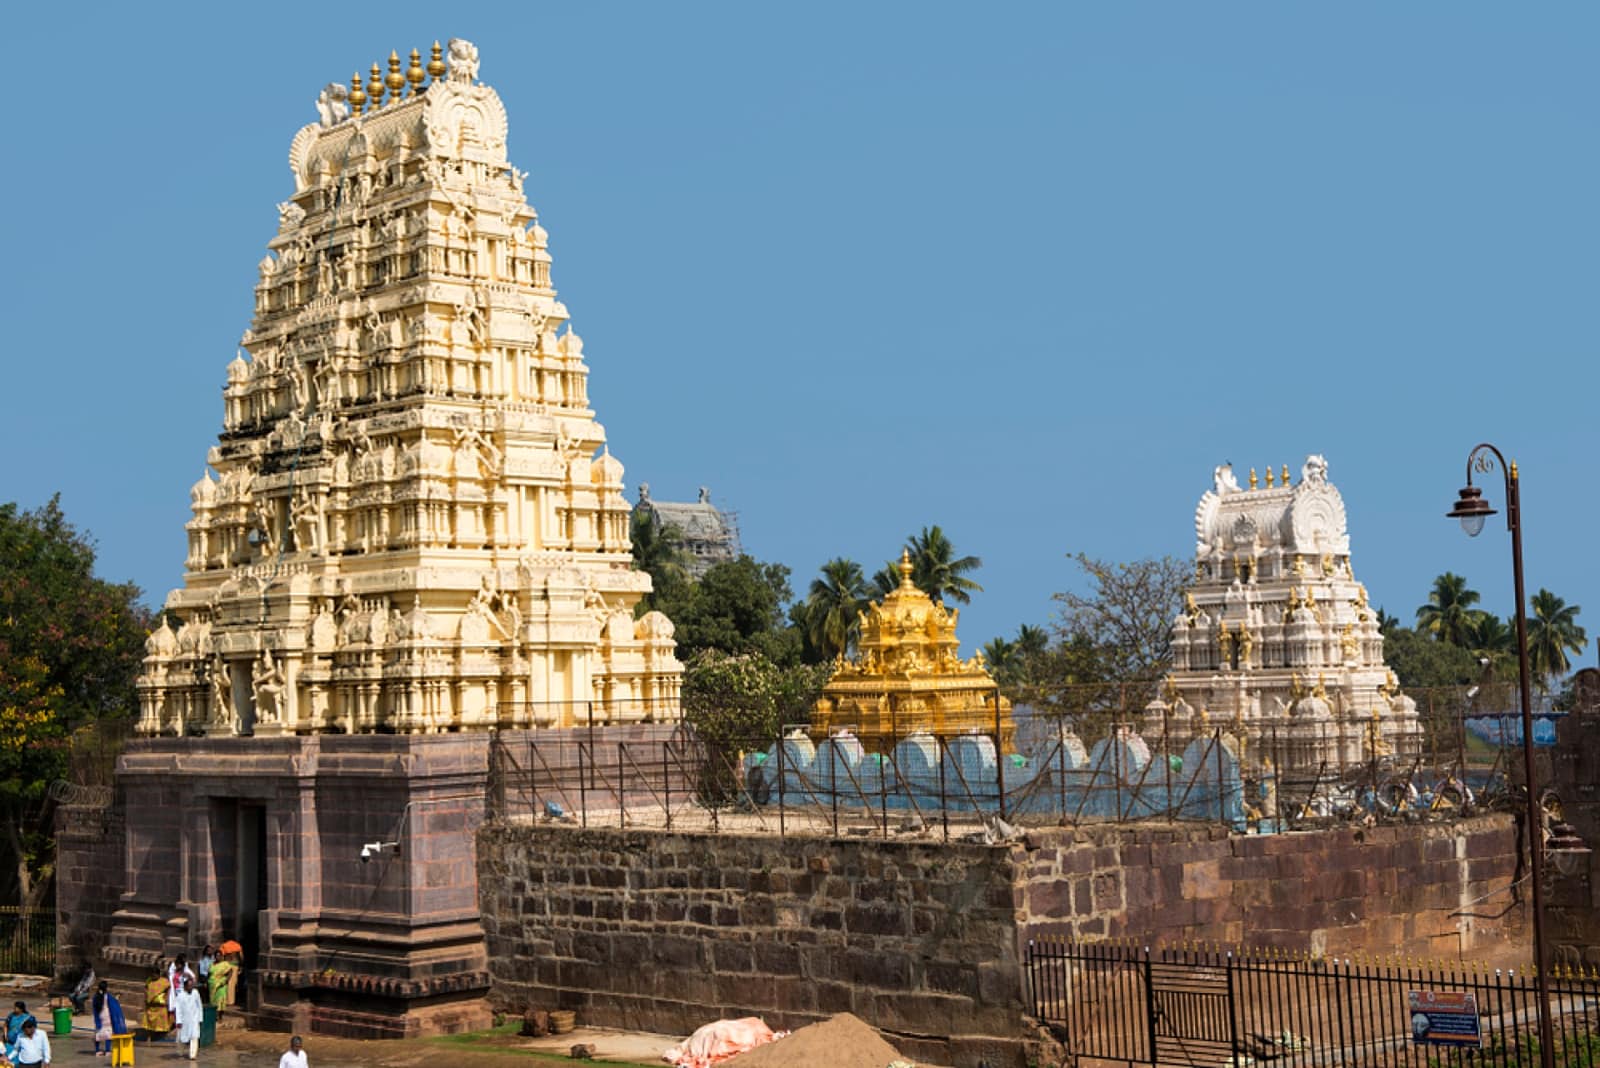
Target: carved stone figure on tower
{"x": 1287, "y": 581}
{"x": 412, "y": 417}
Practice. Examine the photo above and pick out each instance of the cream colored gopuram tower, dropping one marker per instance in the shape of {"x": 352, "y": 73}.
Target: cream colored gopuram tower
{"x": 414, "y": 525}
{"x": 1276, "y": 642}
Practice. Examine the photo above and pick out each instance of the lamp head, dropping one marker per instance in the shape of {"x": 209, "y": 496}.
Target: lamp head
{"x": 1472, "y": 510}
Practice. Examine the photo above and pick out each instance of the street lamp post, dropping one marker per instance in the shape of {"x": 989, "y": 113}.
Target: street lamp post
{"x": 1471, "y": 509}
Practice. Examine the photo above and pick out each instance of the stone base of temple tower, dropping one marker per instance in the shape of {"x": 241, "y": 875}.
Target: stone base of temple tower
{"x": 262, "y": 840}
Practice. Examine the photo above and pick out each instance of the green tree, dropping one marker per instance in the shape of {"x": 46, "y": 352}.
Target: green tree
{"x": 70, "y": 648}
{"x": 1553, "y": 632}
{"x": 1386, "y": 622}
{"x": 740, "y": 704}
{"x": 1493, "y": 639}
{"x": 1420, "y": 662}
{"x": 884, "y": 581}
{"x": 738, "y": 606}
{"x": 936, "y": 569}
{"x": 1448, "y": 615}
{"x": 1126, "y": 618}
{"x": 833, "y": 608}
{"x": 1001, "y": 656}
{"x": 658, "y": 551}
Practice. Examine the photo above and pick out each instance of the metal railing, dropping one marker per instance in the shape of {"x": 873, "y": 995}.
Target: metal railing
{"x": 27, "y": 940}
{"x": 1212, "y": 1006}
{"x": 796, "y": 781}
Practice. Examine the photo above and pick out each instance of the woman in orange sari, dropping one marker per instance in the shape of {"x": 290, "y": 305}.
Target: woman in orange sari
{"x": 156, "y": 1019}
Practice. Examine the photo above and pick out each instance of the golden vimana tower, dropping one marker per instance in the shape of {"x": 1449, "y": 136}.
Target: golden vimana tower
{"x": 414, "y": 524}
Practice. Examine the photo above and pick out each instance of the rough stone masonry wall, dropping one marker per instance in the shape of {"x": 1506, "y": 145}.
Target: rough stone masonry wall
{"x": 663, "y": 932}
{"x": 659, "y": 931}
{"x": 89, "y": 845}
{"x": 1436, "y": 889}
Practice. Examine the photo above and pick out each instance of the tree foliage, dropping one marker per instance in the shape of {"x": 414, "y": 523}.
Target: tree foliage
{"x": 1553, "y": 632}
{"x": 833, "y": 607}
{"x": 70, "y": 648}
{"x": 1126, "y": 618}
{"x": 938, "y": 571}
{"x": 736, "y": 607}
{"x": 742, "y": 702}
{"x": 658, "y": 551}
{"x": 1448, "y": 614}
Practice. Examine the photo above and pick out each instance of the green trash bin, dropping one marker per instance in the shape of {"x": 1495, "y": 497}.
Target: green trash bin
{"x": 63, "y": 1017}
{"x": 208, "y": 1026}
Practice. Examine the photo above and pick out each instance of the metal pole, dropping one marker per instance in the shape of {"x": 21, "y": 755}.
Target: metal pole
{"x": 999, "y": 756}
{"x": 1535, "y": 812}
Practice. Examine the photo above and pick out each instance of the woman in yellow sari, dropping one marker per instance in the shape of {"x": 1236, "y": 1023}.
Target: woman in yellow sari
{"x": 156, "y": 1019}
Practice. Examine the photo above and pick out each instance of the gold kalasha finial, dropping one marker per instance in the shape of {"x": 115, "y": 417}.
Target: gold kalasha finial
{"x": 414, "y": 73}
{"x": 358, "y": 99}
{"x": 1252, "y": 478}
{"x": 905, "y": 568}
{"x": 1269, "y": 476}
{"x": 1285, "y": 474}
{"x": 375, "y": 87}
{"x": 436, "y": 64}
{"x": 395, "y": 81}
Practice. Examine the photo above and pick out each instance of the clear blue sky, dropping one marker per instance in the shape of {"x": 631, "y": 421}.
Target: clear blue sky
{"x": 1028, "y": 271}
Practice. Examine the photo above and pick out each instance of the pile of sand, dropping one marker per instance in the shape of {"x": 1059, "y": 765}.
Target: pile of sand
{"x": 842, "y": 1041}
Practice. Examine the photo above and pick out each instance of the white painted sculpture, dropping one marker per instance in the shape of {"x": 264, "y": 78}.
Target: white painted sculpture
{"x": 414, "y": 525}
{"x": 1276, "y": 642}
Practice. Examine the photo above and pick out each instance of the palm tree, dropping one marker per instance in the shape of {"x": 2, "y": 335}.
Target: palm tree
{"x": 658, "y": 551}
{"x": 1492, "y": 638}
{"x": 1387, "y": 623}
{"x": 1552, "y": 633}
{"x": 1031, "y": 641}
{"x": 1448, "y": 614}
{"x": 936, "y": 569}
{"x": 1000, "y": 655}
{"x": 833, "y": 607}
{"x": 885, "y": 580}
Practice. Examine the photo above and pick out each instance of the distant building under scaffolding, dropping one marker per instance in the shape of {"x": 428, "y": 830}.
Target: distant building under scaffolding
{"x": 710, "y": 535}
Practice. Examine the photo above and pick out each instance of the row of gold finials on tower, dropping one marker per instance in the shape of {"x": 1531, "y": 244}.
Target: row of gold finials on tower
{"x": 1253, "y": 482}
{"x": 395, "y": 81}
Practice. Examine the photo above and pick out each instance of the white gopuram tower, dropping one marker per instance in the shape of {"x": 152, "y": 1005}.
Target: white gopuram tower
{"x": 1276, "y": 643}
{"x": 414, "y": 524}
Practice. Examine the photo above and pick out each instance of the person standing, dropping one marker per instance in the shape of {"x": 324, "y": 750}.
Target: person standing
{"x": 220, "y": 984}
{"x": 177, "y": 972}
{"x": 33, "y": 1048}
{"x": 157, "y": 1020}
{"x": 295, "y": 1056}
{"x": 18, "y": 1016}
{"x": 208, "y": 956}
{"x": 188, "y": 1010}
{"x": 108, "y": 1019}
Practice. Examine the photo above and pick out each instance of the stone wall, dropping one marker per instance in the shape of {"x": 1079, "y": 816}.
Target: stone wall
{"x": 89, "y": 842}
{"x": 660, "y": 931}
{"x": 1436, "y": 889}
{"x": 664, "y": 932}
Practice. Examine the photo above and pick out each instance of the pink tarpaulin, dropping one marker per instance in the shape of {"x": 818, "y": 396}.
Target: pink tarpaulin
{"x": 720, "y": 1040}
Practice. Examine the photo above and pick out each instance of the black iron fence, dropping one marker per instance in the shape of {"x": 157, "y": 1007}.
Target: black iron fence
{"x": 1211, "y": 1006}
{"x": 27, "y": 941}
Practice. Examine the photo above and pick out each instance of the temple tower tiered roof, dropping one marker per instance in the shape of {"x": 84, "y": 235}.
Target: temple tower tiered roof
{"x": 414, "y": 523}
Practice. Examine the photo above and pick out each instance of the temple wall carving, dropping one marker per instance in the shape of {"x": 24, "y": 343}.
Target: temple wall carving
{"x": 410, "y": 521}
{"x": 1276, "y": 638}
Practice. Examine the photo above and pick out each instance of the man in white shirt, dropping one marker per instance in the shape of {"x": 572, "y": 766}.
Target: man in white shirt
{"x": 295, "y": 1057}
{"x": 33, "y": 1048}
{"x": 188, "y": 1012}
